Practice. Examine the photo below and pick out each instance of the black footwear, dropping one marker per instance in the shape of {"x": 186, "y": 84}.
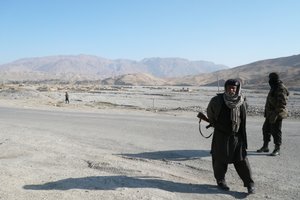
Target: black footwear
{"x": 223, "y": 186}
{"x": 251, "y": 190}
{"x": 263, "y": 149}
{"x": 276, "y": 152}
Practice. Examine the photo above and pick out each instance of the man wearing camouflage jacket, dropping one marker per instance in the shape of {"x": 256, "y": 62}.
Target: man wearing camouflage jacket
{"x": 275, "y": 112}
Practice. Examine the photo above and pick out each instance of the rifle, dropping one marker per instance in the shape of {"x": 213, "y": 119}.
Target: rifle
{"x": 203, "y": 117}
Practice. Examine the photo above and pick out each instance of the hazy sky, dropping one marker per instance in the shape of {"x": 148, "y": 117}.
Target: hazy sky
{"x": 230, "y": 32}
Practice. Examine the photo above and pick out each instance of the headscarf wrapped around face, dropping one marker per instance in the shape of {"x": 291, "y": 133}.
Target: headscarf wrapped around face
{"x": 233, "y": 102}
{"x": 274, "y": 81}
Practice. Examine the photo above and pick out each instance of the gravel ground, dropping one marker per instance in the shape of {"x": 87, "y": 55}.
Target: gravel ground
{"x": 130, "y": 143}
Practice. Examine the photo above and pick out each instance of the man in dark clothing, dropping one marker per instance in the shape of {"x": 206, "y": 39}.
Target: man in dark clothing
{"x": 227, "y": 114}
{"x": 275, "y": 111}
{"x": 66, "y": 97}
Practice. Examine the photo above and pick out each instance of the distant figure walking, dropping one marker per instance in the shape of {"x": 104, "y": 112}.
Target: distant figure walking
{"x": 275, "y": 111}
{"x": 67, "y": 98}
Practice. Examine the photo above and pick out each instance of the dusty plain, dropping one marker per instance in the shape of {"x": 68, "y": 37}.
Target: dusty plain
{"x": 116, "y": 142}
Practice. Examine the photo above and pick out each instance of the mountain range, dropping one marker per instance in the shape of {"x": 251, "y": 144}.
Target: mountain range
{"x": 252, "y": 75}
{"x": 149, "y": 71}
{"x": 83, "y": 67}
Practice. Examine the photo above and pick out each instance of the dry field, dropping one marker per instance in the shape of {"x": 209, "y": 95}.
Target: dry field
{"x": 155, "y": 99}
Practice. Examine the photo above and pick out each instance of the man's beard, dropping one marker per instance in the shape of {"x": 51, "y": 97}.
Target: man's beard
{"x": 231, "y": 94}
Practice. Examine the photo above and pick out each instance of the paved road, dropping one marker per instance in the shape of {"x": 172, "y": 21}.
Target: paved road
{"x": 160, "y": 137}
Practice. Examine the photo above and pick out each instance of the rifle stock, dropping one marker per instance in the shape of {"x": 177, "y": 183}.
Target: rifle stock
{"x": 202, "y": 116}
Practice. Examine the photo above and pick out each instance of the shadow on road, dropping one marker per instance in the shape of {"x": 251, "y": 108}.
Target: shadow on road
{"x": 254, "y": 153}
{"x": 114, "y": 182}
{"x": 172, "y": 155}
